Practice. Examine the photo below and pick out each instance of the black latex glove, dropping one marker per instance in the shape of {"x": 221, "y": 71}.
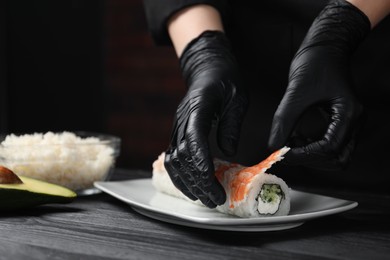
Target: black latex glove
{"x": 211, "y": 75}
{"x": 319, "y": 76}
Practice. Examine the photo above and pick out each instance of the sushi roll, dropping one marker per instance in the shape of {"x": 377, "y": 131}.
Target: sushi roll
{"x": 250, "y": 191}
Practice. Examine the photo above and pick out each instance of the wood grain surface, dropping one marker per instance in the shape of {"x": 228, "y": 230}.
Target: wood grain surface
{"x": 102, "y": 227}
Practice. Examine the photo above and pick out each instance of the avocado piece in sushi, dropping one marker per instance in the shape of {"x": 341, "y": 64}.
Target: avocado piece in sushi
{"x": 17, "y": 192}
{"x": 269, "y": 199}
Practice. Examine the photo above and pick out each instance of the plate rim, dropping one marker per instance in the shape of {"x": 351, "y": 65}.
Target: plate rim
{"x": 193, "y": 224}
{"x": 228, "y": 221}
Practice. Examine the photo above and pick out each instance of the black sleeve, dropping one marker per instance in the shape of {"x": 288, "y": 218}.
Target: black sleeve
{"x": 159, "y": 11}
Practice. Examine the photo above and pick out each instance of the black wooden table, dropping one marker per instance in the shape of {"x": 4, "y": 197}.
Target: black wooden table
{"x": 102, "y": 227}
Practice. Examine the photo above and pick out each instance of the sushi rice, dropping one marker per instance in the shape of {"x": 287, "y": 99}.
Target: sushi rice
{"x": 250, "y": 191}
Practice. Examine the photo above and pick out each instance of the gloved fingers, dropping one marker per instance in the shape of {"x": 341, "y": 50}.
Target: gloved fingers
{"x": 195, "y": 152}
{"x": 175, "y": 169}
{"x": 182, "y": 178}
{"x": 311, "y": 156}
{"x": 200, "y": 177}
{"x": 334, "y": 150}
{"x": 304, "y": 156}
{"x": 195, "y": 147}
{"x": 192, "y": 163}
{"x": 342, "y": 126}
{"x": 172, "y": 163}
{"x": 229, "y": 126}
{"x": 285, "y": 119}
{"x": 204, "y": 198}
{"x": 210, "y": 193}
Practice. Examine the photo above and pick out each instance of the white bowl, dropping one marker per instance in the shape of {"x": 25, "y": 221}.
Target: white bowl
{"x": 71, "y": 159}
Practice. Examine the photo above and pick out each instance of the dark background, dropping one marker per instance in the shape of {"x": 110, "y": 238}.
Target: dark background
{"x": 87, "y": 65}
{"x": 92, "y": 65}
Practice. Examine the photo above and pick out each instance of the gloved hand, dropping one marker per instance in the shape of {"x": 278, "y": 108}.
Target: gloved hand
{"x": 211, "y": 75}
{"x": 319, "y": 77}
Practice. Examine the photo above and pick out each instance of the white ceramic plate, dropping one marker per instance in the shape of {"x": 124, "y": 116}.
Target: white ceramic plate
{"x": 141, "y": 195}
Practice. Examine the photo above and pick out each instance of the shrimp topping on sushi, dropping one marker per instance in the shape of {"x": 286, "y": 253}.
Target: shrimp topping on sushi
{"x": 265, "y": 192}
{"x": 250, "y": 191}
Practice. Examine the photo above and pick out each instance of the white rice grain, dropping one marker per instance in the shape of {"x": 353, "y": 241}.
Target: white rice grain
{"x": 60, "y": 158}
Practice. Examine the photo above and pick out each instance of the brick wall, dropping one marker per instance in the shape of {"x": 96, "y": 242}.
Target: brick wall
{"x": 144, "y": 85}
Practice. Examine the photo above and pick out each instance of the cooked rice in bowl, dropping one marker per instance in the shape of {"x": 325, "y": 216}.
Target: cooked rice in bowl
{"x": 73, "y": 160}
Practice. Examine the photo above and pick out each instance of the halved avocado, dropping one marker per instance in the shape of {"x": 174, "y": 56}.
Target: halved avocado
{"x": 30, "y": 192}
